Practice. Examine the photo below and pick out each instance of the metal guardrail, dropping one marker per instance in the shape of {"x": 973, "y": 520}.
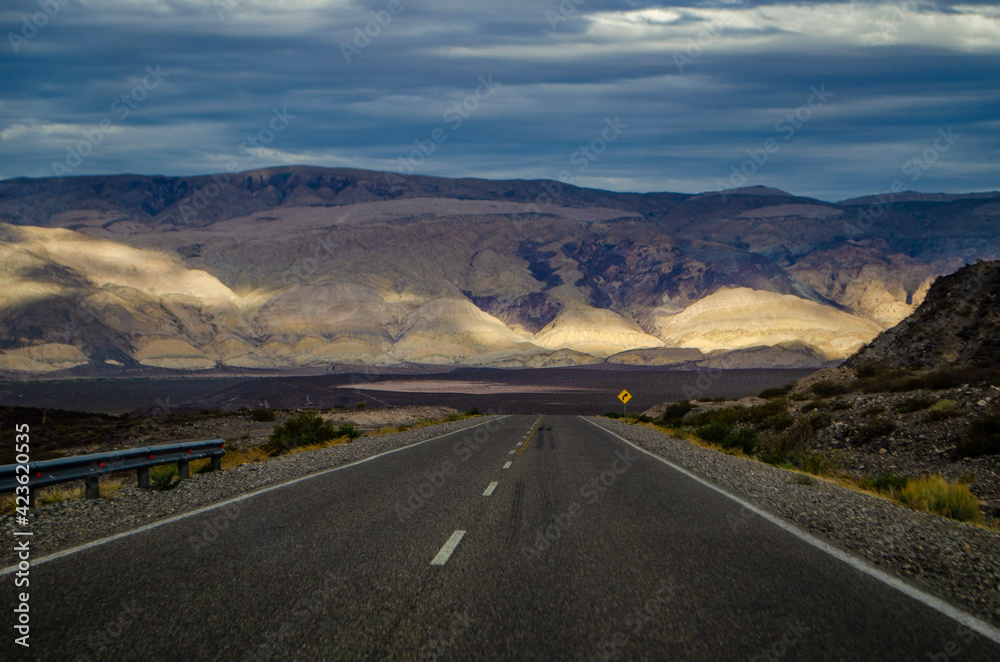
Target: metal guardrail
{"x": 91, "y": 467}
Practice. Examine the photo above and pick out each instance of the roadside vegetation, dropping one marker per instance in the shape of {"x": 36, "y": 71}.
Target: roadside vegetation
{"x": 880, "y": 377}
{"x": 262, "y": 414}
{"x": 982, "y": 437}
{"x": 59, "y": 493}
{"x": 778, "y": 434}
{"x": 308, "y": 429}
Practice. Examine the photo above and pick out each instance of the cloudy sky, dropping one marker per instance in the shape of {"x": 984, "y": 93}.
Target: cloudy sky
{"x": 829, "y": 99}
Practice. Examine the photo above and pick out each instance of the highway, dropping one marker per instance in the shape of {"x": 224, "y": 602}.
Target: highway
{"x": 527, "y": 537}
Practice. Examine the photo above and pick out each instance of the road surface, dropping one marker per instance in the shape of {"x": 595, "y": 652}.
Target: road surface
{"x": 528, "y": 537}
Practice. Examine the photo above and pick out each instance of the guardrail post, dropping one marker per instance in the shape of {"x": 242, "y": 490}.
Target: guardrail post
{"x": 31, "y": 496}
{"x": 93, "y": 486}
{"x": 182, "y": 469}
{"x": 216, "y": 463}
{"x": 142, "y": 474}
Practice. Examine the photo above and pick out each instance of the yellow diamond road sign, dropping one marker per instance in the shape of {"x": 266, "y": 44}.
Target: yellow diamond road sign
{"x": 625, "y": 396}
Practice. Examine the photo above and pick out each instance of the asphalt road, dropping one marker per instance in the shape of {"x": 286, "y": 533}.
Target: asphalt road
{"x": 584, "y": 548}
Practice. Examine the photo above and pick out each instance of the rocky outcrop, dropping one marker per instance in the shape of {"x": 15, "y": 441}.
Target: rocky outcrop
{"x": 958, "y": 323}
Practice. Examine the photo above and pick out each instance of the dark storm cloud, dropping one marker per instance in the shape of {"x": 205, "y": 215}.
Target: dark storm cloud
{"x": 698, "y": 88}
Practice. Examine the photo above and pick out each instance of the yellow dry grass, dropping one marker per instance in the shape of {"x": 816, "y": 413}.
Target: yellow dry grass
{"x": 109, "y": 489}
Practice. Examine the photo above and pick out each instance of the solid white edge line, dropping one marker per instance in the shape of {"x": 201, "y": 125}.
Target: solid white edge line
{"x": 935, "y": 603}
{"x": 507, "y": 466}
{"x": 489, "y": 489}
{"x": 125, "y": 534}
{"x": 449, "y": 547}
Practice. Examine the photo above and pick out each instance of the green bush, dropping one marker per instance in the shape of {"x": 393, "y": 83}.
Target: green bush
{"x": 780, "y": 421}
{"x": 820, "y": 420}
{"x": 943, "y": 378}
{"x": 872, "y": 369}
{"x": 642, "y": 418}
{"x": 943, "y": 404}
{"x": 759, "y": 415}
{"x": 776, "y": 391}
{"x": 890, "y": 379}
{"x": 773, "y": 414}
{"x": 779, "y": 448}
{"x": 982, "y": 437}
{"x": 262, "y": 414}
{"x": 838, "y": 404}
{"x": 941, "y": 410}
{"x": 304, "y": 430}
{"x": 612, "y": 414}
{"x": 950, "y": 378}
{"x": 746, "y": 439}
{"x": 474, "y": 412}
{"x": 814, "y": 463}
{"x": 935, "y": 415}
{"x": 164, "y": 477}
{"x": 885, "y": 482}
{"x": 874, "y": 410}
{"x": 812, "y": 405}
{"x": 347, "y": 430}
{"x": 714, "y": 432}
{"x": 673, "y": 414}
{"x": 826, "y": 389}
{"x": 728, "y": 416}
{"x": 916, "y": 403}
{"x": 872, "y": 430}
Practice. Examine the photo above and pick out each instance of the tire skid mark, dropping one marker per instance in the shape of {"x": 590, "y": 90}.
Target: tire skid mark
{"x": 516, "y": 508}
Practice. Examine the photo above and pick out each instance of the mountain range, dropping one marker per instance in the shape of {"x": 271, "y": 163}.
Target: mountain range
{"x": 305, "y": 268}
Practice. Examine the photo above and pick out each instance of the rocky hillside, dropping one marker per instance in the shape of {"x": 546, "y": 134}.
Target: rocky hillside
{"x": 958, "y": 323}
{"x": 306, "y": 268}
{"x": 921, "y": 399}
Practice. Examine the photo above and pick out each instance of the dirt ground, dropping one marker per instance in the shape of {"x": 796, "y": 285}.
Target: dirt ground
{"x": 235, "y": 427}
{"x": 371, "y": 418}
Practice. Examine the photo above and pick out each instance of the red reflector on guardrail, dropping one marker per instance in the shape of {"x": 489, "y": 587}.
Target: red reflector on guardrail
{"x": 102, "y": 464}
{"x": 38, "y": 474}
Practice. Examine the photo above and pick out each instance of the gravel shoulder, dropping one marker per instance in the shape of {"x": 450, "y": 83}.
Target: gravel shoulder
{"x": 957, "y": 562}
{"x": 56, "y": 527}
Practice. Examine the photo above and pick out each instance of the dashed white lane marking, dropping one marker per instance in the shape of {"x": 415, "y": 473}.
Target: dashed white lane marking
{"x": 489, "y": 490}
{"x": 511, "y": 453}
{"x": 507, "y": 466}
{"x": 520, "y": 443}
{"x": 449, "y": 547}
{"x": 35, "y": 561}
